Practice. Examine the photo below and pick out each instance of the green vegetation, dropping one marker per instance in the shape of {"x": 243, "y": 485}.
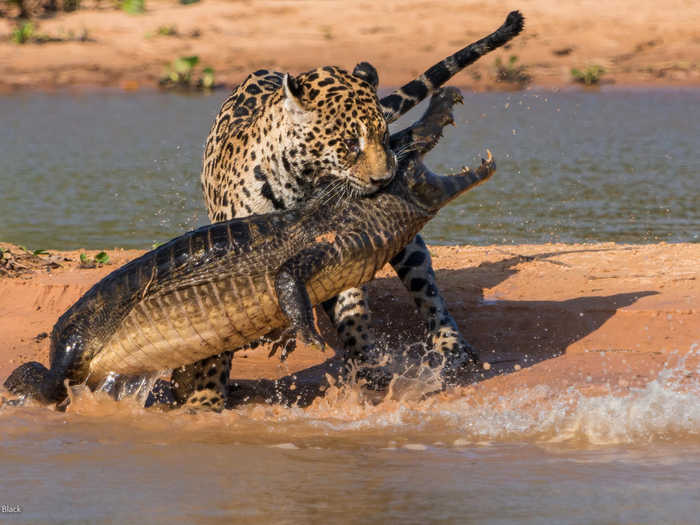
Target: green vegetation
{"x": 99, "y": 259}
{"x": 188, "y": 2}
{"x": 134, "y": 7}
{"x": 25, "y": 32}
{"x": 180, "y": 74}
{"x": 37, "y": 253}
{"x": 22, "y": 33}
{"x": 156, "y": 244}
{"x": 169, "y": 30}
{"x": 590, "y": 76}
{"x": 207, "y": 78}
{"x": 180, "y": 71}
{"x": 509, "y": 72}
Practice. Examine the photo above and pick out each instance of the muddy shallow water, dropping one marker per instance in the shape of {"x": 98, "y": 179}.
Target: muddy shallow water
{"x": 109, "y": 169}
{"x": 540, "y": 455}
{"x": 99, "y": 170}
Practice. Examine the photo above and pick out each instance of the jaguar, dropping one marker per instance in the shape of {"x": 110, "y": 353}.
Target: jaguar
{"x": 277, "y": 135}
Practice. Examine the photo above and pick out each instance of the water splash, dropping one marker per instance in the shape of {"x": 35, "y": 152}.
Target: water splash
{"x": 667, "y": 409}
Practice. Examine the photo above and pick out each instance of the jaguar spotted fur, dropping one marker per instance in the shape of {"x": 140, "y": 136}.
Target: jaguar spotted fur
{"x": 276, "y": 136}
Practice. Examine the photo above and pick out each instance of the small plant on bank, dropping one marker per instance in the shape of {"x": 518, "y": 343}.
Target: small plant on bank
{"x": 134, "y": 7}
{"x": 157, "y": 244}
{"x": 188, "y": 2}
{"x": 509, "y": 72}
{"x": 180, "y": 74}
{"x": 22, "y": 33}
{"x": 591, "y": 76}
{"x": 99, "y": 259}
{"x": 167, "y": 30}
{"x": 207, "y": 79}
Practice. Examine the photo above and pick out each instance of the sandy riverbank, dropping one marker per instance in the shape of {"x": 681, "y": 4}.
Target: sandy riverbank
{"x": 589, "y": 316}
{"x": 639, "y": 43}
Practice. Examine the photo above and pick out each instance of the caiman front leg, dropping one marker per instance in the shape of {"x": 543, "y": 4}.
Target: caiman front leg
{"x": 293, "y": 298}
{"x": 414, "y": 267}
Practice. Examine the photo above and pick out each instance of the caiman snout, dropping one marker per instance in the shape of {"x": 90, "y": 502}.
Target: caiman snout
{"x": 431, "y": 191}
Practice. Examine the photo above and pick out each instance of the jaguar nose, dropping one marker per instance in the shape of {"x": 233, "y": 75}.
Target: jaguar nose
{"x": 382, "y": 181}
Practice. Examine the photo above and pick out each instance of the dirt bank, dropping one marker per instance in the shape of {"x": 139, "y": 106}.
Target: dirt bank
{"x": 563, "y": 315}
{"x": 639, "y": 43}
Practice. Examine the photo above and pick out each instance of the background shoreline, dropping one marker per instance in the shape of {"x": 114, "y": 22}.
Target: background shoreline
{"x": 650, "y": 47}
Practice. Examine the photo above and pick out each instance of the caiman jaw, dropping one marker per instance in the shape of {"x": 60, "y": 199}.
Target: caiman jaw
{"x": 430, "y": 132}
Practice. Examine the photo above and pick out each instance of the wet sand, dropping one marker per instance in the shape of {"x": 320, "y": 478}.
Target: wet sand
{"x": 639, "y": 43}
{"x": 593, "y": 317}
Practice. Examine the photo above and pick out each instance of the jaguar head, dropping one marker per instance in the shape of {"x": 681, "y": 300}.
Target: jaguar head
{"x": 339, "y": 127}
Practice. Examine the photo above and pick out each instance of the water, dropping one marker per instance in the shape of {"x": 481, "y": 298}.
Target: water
{"x": 537, "y": 456}
{"x": 98, "y": 170}
{"x": 104, "y": 169}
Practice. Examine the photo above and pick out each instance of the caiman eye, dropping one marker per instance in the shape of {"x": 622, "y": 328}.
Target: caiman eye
{"x": 353, "y": 145}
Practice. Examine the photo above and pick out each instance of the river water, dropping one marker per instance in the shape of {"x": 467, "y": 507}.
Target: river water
{"x": 105, "y": 169}
{"x": 536, "y": 456}
{"x": 98, "y": 170}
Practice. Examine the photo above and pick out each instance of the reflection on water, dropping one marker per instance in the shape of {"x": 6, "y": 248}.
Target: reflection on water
{"x": 534, "y": 456}
{"x": 98, "y": 170}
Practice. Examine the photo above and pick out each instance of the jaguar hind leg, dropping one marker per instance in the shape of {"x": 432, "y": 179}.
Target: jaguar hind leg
{"x": 349, "y": 312}
{"x": 203, "y": 385}
{"x": 414, "y": 267}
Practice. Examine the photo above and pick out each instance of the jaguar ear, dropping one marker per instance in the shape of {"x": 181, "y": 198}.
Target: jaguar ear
{"x": 366, "y": 72}
{"x": 292, "y": 94}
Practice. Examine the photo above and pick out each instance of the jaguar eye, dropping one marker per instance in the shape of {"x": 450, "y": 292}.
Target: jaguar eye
{"x": 352, "y": 144}
{"x": 385, "y": 140}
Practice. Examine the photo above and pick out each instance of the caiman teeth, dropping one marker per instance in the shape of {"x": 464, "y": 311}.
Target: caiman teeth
{"x": 450, "y": 120}
{"x": 490, "y": 159}
{"x": 429, "y": 147}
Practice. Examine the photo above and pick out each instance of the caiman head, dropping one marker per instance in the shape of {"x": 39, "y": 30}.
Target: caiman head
{"x": 426, "y": 189}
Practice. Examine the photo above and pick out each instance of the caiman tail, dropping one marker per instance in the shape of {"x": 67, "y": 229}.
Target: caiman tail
{"x": 35, "y": 380}
{"x": 406, "y": 97}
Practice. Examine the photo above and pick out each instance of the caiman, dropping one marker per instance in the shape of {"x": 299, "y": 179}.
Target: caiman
{"x": 227, "y": 284}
